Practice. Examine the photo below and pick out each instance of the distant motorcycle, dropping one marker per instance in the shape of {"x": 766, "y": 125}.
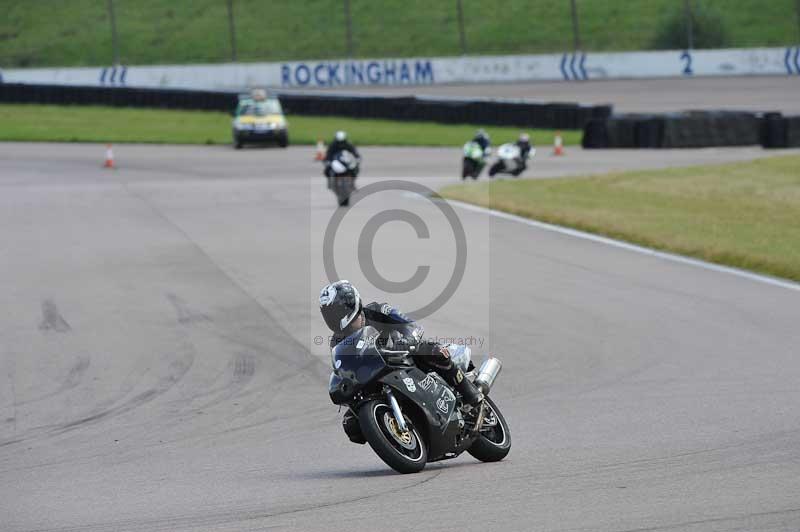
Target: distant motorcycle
{"x": 474, "y": 160}
{"x": 410, "y": 417}
{"x": 341, "y": 172}
{"x": 510, "y": 160}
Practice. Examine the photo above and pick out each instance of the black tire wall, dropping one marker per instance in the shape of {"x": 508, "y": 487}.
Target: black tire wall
{"x": 445, "y": 110}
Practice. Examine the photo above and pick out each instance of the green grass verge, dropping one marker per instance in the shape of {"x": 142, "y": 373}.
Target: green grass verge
{"x": 744, "y": 214}
{"x": 78, "y": 32}
{"x": 26, "y": 122}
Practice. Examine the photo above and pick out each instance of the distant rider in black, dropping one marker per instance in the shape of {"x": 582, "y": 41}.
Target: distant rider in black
{"x": 482, "y": 138}
{"x": 525, "y": 145}
{"x": 340, "y": 143}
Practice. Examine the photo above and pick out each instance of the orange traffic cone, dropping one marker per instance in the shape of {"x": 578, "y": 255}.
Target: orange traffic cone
{"x": 558, "y": 144}
{"x": 109, "y": 157}
{"x": 320, "y": 151}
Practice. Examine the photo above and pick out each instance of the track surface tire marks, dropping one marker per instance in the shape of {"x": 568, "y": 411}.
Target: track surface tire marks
{"x": 185, "y": 392}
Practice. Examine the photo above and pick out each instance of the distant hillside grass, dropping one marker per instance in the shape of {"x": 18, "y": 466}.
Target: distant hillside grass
{"x": 77, "y": 32}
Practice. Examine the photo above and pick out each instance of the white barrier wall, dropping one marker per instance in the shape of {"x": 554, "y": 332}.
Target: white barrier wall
{"x": 425, "y": 71}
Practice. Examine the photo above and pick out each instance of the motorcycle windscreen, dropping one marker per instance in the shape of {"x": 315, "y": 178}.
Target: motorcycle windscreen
{"x": 338, "y": 167}
{"x": 356, "y": 358}
{"x": 508, "y": 151}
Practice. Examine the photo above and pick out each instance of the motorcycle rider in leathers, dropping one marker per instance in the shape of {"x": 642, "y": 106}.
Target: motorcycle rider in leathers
{"x": 482, "y": 138}
{"x": 339, "y": 144}
{"x": 343, "y": 312}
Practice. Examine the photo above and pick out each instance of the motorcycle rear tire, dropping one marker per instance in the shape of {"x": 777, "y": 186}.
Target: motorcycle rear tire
{"x": 496, "y": 167}
{"x": 487, "y": 450}
{"x": 370, "y": 417}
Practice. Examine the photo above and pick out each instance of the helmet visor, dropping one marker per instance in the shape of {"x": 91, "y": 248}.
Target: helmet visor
{"x": 350, "y": 317}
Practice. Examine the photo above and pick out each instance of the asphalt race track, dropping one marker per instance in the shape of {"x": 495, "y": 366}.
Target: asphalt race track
{"x": 756, "y": 93}
{"x": 159, "y": 368}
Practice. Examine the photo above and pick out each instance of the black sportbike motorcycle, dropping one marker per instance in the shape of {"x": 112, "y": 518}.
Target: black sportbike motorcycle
{"x": 410, "y": 417}
{"x": 341, "y": 172}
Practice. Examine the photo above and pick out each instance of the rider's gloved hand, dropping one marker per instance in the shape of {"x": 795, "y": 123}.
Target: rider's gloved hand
{"x": 402, "y": 343}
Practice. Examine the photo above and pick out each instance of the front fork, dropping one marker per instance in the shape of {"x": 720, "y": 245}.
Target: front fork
{"x": 398, "y": 414}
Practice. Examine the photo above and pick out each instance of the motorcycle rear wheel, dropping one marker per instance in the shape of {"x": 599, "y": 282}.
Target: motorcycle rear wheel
{"x": 406, "y": 452}
{"x": 494, "y": 440}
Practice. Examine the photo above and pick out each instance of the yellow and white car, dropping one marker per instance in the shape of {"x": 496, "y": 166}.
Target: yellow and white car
{"x": 259, "y": 120}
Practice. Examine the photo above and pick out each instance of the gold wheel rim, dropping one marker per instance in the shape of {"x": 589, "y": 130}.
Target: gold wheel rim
{"x": 403, "y": 437}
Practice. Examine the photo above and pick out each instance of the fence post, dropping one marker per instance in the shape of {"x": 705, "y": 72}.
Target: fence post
{"x": 576, "y": 34}
{"x": 461, "y": 36}
{"x": 689, "y": 30}
{"x": 232, "y": 30}
{"x": 348, "y": 23}
{"x": 114, "y": 38}
{"x": 798, "y": 21}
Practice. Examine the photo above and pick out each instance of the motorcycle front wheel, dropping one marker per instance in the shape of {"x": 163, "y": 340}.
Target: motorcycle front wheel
{"x": 494, "y": 439}
{"x": 344, "y": 187}
{"x": 405, "y": 452}
{"x": 467, "y": 168}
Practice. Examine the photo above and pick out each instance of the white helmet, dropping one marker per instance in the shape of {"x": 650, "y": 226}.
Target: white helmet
{"x": 524, "y": 137}
{"x": 340, "y": 135}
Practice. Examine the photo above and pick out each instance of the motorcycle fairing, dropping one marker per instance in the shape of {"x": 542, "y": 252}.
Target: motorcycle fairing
{"x": 438, "y": 402}
{"x": 431, "y": 393}
{"x": 356, "y": 362}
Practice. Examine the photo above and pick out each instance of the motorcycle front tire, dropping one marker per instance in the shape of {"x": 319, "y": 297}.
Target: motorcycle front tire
{"x": 467, "y": 168}
{"x": 344, "y": 187}
{"x": 372, "y": 420}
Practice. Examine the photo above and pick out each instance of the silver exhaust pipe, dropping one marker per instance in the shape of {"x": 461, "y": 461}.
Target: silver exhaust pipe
{"x": 487, "y": 374}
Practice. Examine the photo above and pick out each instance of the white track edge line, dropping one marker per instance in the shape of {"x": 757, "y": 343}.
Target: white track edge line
{"x": 774, "y": 281}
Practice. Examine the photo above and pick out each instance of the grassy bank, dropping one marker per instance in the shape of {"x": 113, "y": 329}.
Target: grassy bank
{"x": 115, "y": 124}
{"x": 744, "y": 214}
{"x": 78, "y": 32}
